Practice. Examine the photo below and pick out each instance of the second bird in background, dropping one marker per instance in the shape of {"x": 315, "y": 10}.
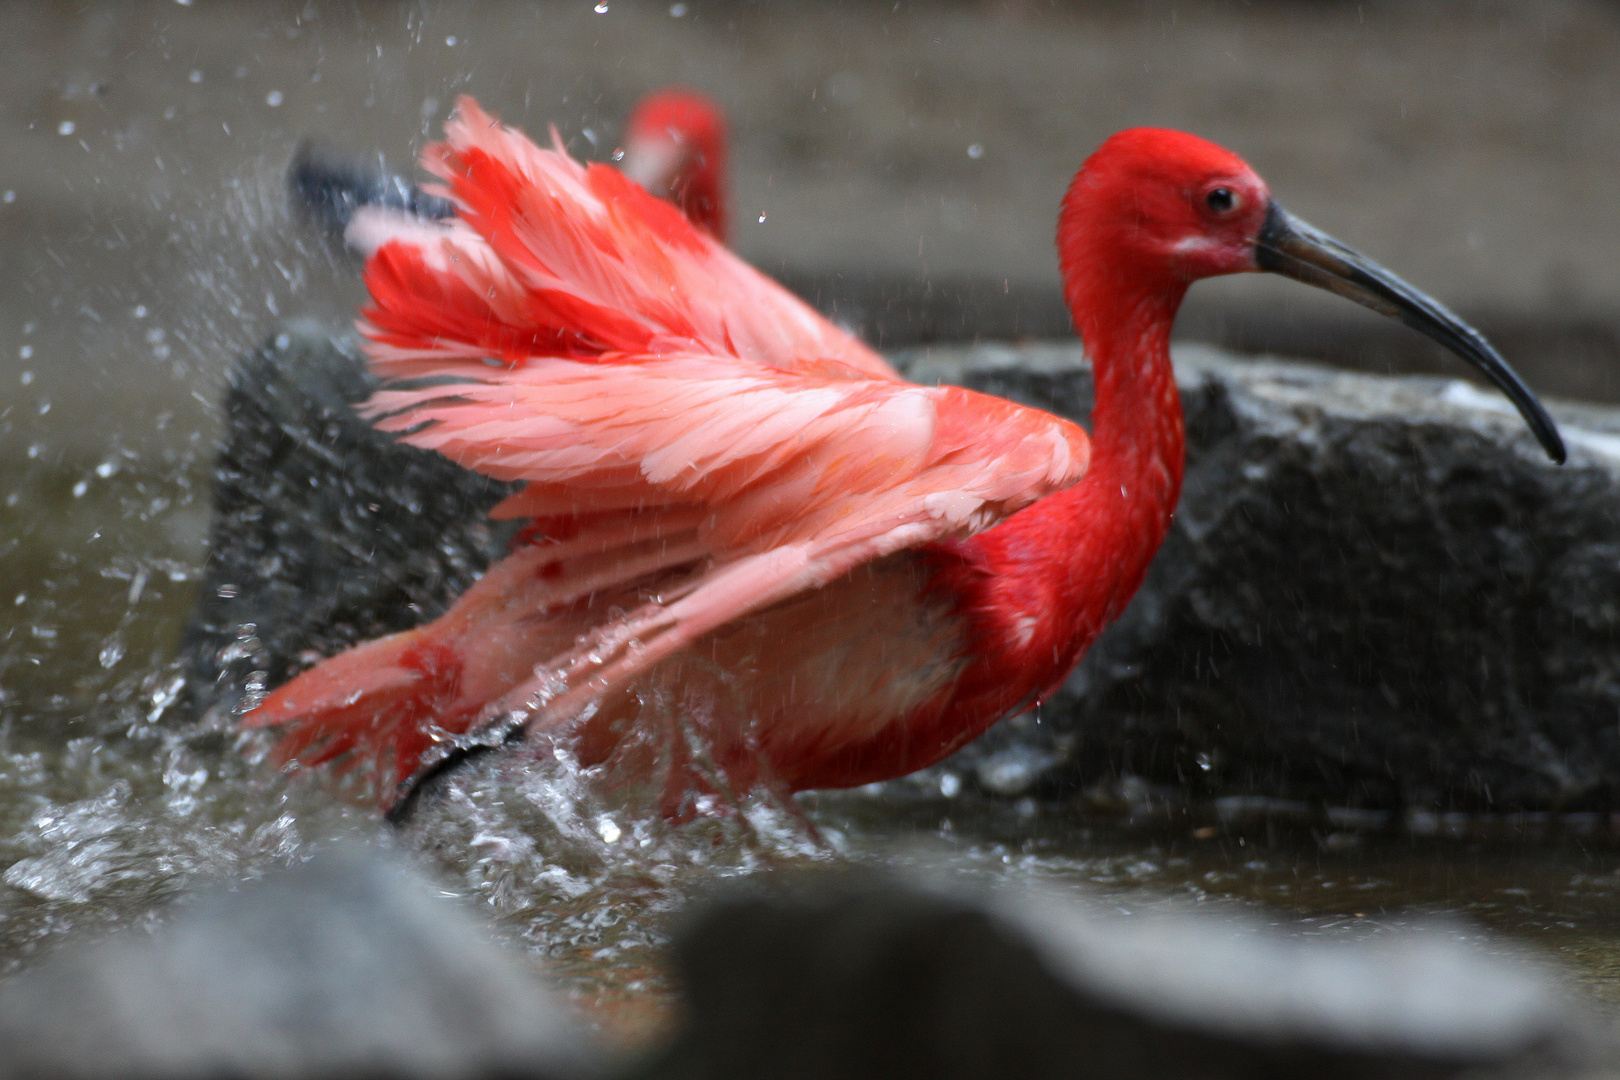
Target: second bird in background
{"x": 675, "y": 146}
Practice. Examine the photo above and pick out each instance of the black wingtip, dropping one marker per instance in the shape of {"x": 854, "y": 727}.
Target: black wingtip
{"x": 327, "y": 187}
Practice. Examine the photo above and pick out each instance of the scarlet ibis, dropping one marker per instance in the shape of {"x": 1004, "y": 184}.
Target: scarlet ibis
{"x": 675, "y": 147}
{"x": 742, "y": 513}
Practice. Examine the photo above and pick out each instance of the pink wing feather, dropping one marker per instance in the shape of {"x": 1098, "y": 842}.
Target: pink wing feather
{"x": 548, "y": 250}
{"x": 671, "y": 410}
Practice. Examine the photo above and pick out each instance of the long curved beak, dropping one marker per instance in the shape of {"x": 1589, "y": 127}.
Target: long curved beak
{"x": 1292, "y": 248}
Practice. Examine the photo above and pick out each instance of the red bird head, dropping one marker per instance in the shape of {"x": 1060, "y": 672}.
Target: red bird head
{"x": 1152, "y": 211}
{"x": 1166, "y": 206}
{"x": 675, "y": 147}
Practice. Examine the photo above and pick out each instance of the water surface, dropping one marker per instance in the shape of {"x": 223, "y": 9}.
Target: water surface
{"x": 111, "y": 806}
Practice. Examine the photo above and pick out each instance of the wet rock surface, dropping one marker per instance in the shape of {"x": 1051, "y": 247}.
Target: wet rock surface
{"x": 1377, "y": 593}
{"x": 346, "y": 966}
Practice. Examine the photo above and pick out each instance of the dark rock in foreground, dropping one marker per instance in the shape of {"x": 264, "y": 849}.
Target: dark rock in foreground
{"x": 1377, "y": 592}
{"x": 347, "y": 966}
{"x": 875, "y": 979}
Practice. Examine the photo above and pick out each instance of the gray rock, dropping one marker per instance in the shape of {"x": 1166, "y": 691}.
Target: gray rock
{"x": 345, "y": 966}
{"x": 871, "y": 978}
{"x": 1377, "y": 593}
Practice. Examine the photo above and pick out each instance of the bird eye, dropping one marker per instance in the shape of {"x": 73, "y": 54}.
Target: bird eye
{"x": 1221, "y": 200}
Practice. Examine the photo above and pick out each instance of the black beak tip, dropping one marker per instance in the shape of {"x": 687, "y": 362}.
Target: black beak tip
{"x": 1554, "y": 446}
{"x": 1536, "y": 417}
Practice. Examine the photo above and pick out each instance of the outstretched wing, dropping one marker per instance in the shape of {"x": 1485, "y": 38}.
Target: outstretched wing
{"x": 676, "y": 416}
{"x": 549, "y": 256}
{"x": 573, "y": 332}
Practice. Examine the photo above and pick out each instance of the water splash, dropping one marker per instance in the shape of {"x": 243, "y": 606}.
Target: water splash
{"x": 586, "y": 860}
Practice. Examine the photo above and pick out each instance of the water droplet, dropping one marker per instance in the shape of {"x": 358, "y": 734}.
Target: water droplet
{"x": 80, "y": 488}
{"x": 140, "y": 311}
{"x": 451, "y": 41}
{"x": 107, "y": 468}
{"x": 975, "y": 151}
{"x": 195, "y": 76}
{"x": 762, "y": 217}
{"x": 66, "y": 127}
{"x": 283, "y": 342}
{"x": 601, "y": 8}
{"x": 25, "y": 352}
{"x": 22, "y": 598}
{"x": 26, "y": 377}
{"x": 44, "y": 407}
{"x": 9, "y": 196}
{"x": 949, "y": 785}
{"x": 273, "y": 98}
{"x": 677, "y": 10}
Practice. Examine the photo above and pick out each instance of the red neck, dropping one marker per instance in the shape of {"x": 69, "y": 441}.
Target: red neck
{"x": 1136, "y": 436}
{"x": 1114, "y": 520}
{"x": 696, "y": 190}
{"x": 1050, "y": 578}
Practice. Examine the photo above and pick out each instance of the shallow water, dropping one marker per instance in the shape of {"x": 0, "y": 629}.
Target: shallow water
{"x": 109, "y": 808}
